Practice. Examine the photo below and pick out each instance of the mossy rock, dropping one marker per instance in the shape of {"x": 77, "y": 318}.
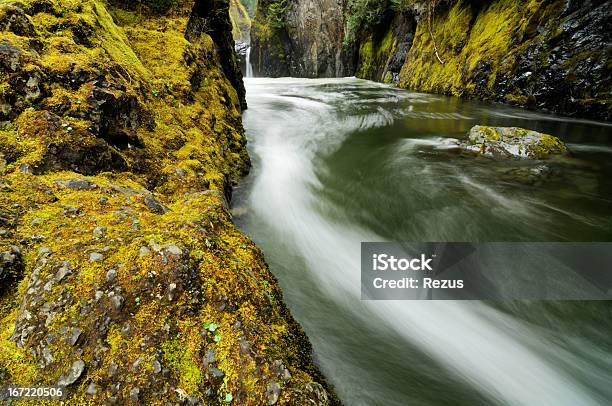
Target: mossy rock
{"x": 120, "y": 143}
{"x": 514, "y": 142}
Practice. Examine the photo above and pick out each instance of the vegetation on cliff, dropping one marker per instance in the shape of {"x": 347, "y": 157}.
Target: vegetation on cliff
{"x": 123, "y": 276}
{"x": 551, "y": 55}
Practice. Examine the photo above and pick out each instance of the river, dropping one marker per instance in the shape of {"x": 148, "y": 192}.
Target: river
{"x": 340, "y": 161}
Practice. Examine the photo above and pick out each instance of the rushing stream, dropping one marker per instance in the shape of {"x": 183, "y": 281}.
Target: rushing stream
{"x": 341, "y": 161}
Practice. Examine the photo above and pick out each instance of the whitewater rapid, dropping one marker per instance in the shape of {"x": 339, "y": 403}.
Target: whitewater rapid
{"x": 291, "y": 124}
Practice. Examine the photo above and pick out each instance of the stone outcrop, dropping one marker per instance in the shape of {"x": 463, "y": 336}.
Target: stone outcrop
{"x": 123, "y": 277}
{"x": 513, "y": 142}
{"x": 300, "y": 38}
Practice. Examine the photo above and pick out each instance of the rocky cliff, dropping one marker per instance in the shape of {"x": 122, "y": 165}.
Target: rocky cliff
{"x": 299, "y": 38}
{"x": 551, "y": 55}
{"x": 122, "y": 276}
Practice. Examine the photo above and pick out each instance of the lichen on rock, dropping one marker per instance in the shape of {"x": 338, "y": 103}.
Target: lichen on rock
{"x": 120, "y": 141}
{"x": 513, "y": 142}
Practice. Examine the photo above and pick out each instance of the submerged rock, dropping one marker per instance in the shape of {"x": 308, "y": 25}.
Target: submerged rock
{"x": 513, "y": 142}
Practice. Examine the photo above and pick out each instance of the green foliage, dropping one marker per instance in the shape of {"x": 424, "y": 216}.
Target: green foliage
{"x": 364, "y": 14}
{"x": 277, "y": 13}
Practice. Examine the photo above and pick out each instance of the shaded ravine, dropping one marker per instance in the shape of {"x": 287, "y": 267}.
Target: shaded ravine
{"x": 341, "y": 161}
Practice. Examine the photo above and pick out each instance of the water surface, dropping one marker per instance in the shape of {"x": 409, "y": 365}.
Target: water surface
{"x": 341, "y": 161}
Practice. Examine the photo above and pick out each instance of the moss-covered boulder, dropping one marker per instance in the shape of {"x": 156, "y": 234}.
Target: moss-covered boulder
{"x": 513, "y": 142}
{"x": 122, "y": 274}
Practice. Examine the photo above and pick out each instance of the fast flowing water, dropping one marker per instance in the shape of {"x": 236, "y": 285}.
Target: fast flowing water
{"x": 341, "y": 161}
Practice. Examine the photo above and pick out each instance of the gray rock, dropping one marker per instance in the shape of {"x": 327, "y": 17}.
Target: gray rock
{"x": 95, "y": 257}
{"x": 513, "y": 142}
{"x": 25, "y": 168}
{"x": 112, "y": 368}
{"x": 111, "y": 275}
{"x": 173, "y": 249}
{"x": 273, "y": 392}
{"x": 156, "y": 367}
{"x": 144, "y": 251}
{"x": 117, "y": 302}
{"x": 74, "y": 336}
{"x": 134, "y": 393}
{"x": 77, "y": 184}
{"x": 92, "y": 389}
{"x": 99, "y": 231}
{"x": 209, "y": 357}
{"x": 216, "y": 372}
{"x": 73, "y": 374}
{"x": 154, "y": 205}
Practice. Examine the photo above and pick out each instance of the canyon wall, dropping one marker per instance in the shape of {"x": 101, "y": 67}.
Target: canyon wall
{"x": 550, "y": 55}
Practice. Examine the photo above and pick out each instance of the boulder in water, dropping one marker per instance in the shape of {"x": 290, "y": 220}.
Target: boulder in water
{"x": 513, "y": 142}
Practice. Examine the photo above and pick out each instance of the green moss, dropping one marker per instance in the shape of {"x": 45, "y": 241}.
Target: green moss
{"x": 474, "y": 49}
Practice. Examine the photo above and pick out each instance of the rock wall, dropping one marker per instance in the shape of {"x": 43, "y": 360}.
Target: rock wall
{"x": 122, "y": 275}
{"x": 302, "y": 38}
{"x": 545, "y": 55}
{"x": 550, "y": 55}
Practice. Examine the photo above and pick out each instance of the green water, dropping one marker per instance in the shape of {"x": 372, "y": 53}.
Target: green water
{"x": 341, "y": 161}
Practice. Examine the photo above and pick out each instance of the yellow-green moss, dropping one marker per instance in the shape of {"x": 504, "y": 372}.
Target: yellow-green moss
{"x": 467, "y": 44}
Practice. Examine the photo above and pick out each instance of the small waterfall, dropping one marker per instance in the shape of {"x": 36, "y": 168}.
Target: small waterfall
{"x": 249, "y": 66}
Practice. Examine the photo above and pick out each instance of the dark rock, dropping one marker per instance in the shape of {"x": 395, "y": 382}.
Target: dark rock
{"x": 11, "y": 267}
{"x": 154, "y": 205}
{"x": 13, "y": 19}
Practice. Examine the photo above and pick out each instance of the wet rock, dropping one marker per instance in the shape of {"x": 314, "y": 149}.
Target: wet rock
{"x": 513, "y": 142}
{"x": 73, "y": 374}
{"x": 154, "y": 205}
